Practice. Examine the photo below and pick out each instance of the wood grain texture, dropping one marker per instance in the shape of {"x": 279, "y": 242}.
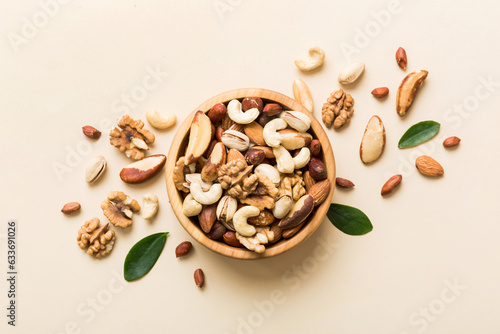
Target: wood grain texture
{"x": 177, "y": 150}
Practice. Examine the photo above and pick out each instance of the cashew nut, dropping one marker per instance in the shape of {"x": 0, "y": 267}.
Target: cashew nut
{"x": 270, "y": 134}
{"x": 282, "y": 207}
{"x": 149, "y": 205}
{"x": 196, "y": 178}
{"x": 269, "y": 171}
{"x": 237, "y": 115}
{"x": 158, "y": 121}
{"x": 190, "y": 207}
{"x": 284, "y": 160}
{"x": 206, "y": 197}
{"x": 302, "y": 159}
{"x": 240, "y": 220}
{"x": 316, "y": 58}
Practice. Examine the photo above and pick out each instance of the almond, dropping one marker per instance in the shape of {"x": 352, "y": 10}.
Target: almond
{"x": 255, "y": 132}
{"x": 91, "y": 132}
{"x": 320, "y": 192}
{"x": 391, "y": 184}
{"x": 143, "y": 170}
{"x": 428, "y": 166}
{"x": 380, "y": 92}
{"x": 308, "y": 180}
{"x": 401, "y": 58}
{"x": 373, "y": 142}
{"x": 183, "y": 249}
{"x": 451, "y": 141}
{"x": 199, "y": 278}
{"x": 70, "y": 207}
{"x": 233, "y": 154}
{"x": 344, "y": 183}
{"x": 207, "y": 217}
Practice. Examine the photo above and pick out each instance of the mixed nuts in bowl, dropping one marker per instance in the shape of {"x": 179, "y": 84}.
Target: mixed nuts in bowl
{"x": 250, "y": 173}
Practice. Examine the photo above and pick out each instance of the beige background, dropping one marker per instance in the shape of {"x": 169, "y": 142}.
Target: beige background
{"x": 429, "y": 265}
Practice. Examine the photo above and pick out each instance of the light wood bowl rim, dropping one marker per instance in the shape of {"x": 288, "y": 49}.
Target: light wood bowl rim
{"x": 176, "y": 199}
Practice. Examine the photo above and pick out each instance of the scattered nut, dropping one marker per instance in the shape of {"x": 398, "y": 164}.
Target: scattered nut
{"x": 401, "y": 58}
{"x": 315, "y": 60}
{"x": 95, "y": 168}
{"x": 391, "y": 184}
{"x": 302, "y": 94}
{"x": 91, "y": 132}
{"x": 373, "y": 142}
{"x": 217, "y": 113}
{"x": 344, "y": 183}
{"x": 159, "y": 122}
{"x": 199, "y": 278}
{"x": 119, "y": 208}
{"x": 70, "y": 207}
{"x": 143, "y": 170}
{"x": 380, "y": 92}
{"x": 451, "y": 142}
{"x": 428, "y": 166}
{"x": 149, "y": 205}
{"x": 338, "y": 109}
{"x": 98, "y": 240}
{"x": 351, "y": 73}
{"x": 183, "y": 249}
{"x": 200, "y": 136}
{"x": 131, "y": 138}
{"x": 408, "y": 90}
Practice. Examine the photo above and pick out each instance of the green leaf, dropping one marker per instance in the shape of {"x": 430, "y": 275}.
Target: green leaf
{"x": 349, "y": 220}
{"x": 419, "y": 133}
{"x": 143, "y": 255}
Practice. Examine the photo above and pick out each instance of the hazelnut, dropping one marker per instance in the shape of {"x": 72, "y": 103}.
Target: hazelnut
{"x": 252, "y": 102}
{"x": 217, "y": 113}
{"x": 254, "y": 156}
{"x": 272, "y": 109}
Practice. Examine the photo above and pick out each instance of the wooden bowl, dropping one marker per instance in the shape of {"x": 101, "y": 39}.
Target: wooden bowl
{"x": 178, "y": 148}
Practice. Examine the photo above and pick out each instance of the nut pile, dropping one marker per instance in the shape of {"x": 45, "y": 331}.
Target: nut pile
{"x": 243, "y": 174}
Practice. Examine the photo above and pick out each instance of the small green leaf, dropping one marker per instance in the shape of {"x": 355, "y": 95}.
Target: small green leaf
{"x": 143, "y": 255}
{"x": 349, "y": 220}
{"x": 419, "y": 133}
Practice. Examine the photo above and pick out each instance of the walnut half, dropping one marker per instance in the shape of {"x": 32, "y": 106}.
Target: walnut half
{"x": 119, "y": 208}
{"x": 98, "y": 240}
{"x": 131, "y": 138}
{"x": 338, "y": 109}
